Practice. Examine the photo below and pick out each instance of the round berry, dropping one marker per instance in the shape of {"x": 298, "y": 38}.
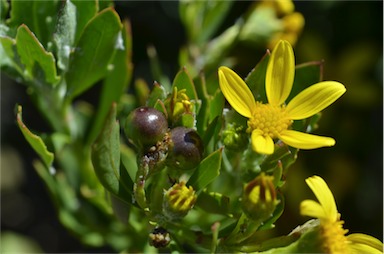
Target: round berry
{"x": 145, "y": 126}
{"x": 185, "y": 148}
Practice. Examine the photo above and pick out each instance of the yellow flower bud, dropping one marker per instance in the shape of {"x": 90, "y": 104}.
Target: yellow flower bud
{"x": 178, "y": 104}
{"x": 178, "y": 200}
{"x": 259, "y": 198}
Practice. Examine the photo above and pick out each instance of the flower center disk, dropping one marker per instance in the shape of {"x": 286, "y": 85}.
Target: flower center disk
{"x": 270, "y": 120}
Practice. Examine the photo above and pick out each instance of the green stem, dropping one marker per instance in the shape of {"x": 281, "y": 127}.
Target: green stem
{"x": 139, "y": 185}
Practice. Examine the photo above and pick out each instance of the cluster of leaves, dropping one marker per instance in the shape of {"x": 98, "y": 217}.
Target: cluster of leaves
{"x": 61, "y": 49}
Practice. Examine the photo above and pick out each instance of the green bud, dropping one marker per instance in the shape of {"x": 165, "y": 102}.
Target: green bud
{"x": 178, "y": 200}
{"x": 235, "y": 137}
{"x": 259, "y": 198}
{"x": 178, "y": 105}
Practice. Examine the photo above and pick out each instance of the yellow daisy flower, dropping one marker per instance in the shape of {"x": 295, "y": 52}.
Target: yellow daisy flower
{"x": 273, "y": 120}
{"x": 333, "y": 235}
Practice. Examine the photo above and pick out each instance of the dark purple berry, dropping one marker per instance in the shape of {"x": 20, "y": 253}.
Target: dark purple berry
{"x": 145, "y": 126}
{"x": 185, "y": 148}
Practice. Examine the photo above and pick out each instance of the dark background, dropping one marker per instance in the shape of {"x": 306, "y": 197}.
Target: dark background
{"x": 346, "y": 34}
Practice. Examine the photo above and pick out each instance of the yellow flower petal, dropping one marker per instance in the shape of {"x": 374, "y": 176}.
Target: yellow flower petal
{"x": 304, "y": 140}
{"x": 280, "y": 73}
{"x": 366, "y": 240}
{"x": 314, "y": 99}
{"x": 322, "y": 192}
{"x": 236, "y": 91}
{"x": 312, "y": 209}
{"x": 358, "y": 248}
{"x": 262, "y": 144}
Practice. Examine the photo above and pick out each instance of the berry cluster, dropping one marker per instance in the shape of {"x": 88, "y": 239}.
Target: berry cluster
{"x": 147, "y": 128}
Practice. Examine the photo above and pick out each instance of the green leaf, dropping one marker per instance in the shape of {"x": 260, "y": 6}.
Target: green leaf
{"x": 129, "y": 160}
{"x": 35, "y": 141}
{"x": 184, "y": 81}
{"x": 211, "y": 130}
{"x": 158, "y": 92}
{"x": 116, "y": 81}
{"x": 207, "y": 171}
{"x": 211, "y": 15}
{"x": 103, "y": 4}
{"x": 64, "y": 36}
{"x": 39, "y": 64}
{"x": 213, "y": 202}
{"x": 256, "y": 78}
{"x": 9, "y": 54}
{"x": 306, "y": 74}
{"x": 94, "y": 51}
{"x": 216, "y": 105}
{"x": 39, "y": 16}
{"x": 85, "y": 11}
{"x": 4, "y": 7}
{"x": 106, "y": 153}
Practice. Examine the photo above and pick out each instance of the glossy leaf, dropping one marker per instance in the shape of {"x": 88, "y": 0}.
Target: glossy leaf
{"x": 207, "y": 171}
{"x": 184, "y": 81}
{"x": 106, "y": 153}
{"x": 94, "y": 51}
{"x": 35, "y": 141}
{"x": 39, "y": 64}
{"x": 116, "y": 80}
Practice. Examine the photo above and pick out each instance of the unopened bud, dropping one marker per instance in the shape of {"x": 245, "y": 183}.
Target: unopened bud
{"x": 235, "y": 137}
{"x": 178, "y": 200}
{"x": 259, "y": 198}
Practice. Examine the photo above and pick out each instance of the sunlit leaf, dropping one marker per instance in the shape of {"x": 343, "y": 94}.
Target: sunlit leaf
{"x": 207, "y": 171}
{"x": 39, "y": 64}
{"x": 184, "y": 81}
